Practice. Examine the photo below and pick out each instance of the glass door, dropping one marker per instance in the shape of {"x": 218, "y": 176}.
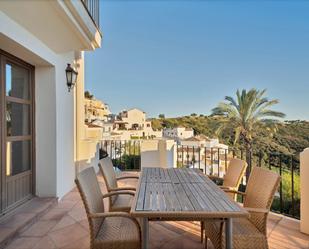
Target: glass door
{"x": 17, "y": 132}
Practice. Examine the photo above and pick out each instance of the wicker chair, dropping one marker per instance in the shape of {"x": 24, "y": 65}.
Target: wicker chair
{"x": 233, "y": 176}
{"x": 251, "y": 232}
{"x": 120, "y": 202}
{"x": 231, "y": 180}
{"x": 108, "y": 230}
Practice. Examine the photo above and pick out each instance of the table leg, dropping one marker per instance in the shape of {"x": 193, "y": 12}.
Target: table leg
{"x": 229, "y": 233}
{"x": 145, "y": 233}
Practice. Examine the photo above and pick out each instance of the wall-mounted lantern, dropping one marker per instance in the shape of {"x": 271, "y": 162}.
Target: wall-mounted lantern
{"x": 71, "y": 75}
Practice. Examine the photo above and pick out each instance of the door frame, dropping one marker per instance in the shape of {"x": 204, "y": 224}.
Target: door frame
{"x": 4, "y": 58}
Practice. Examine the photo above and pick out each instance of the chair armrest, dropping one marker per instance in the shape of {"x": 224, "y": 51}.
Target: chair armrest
{"x": 213, "y": 177}
{"x": 122, "y": 188}
{"x": 110, "y": 214}
{"x": 126, "y": 177}
{"x": 118, "y": 193}
{"x": 257, "y": 210}
{"x": 234, "y": 192}
{"x": 116, "y": 214}
{"x": 224, "y": 188}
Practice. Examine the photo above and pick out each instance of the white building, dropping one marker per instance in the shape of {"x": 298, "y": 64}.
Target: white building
{"x": 203, "y": 141}
{"x": 132, "y": 124}
{"x": 178, "y": 133}
{"x": 44, "y": 140}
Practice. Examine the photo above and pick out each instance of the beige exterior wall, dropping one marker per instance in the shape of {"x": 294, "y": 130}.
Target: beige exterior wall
{"x": 158, "y": 153}
{"x": 304, "y": 188}
{"x": 133, "y": 116}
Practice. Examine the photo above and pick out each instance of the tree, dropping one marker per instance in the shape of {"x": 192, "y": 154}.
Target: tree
{"x": 248, "y": 115}
{"x": 162, "y": 116}
{"x": 193, "y": 115}
{"x": 88, "y": 95}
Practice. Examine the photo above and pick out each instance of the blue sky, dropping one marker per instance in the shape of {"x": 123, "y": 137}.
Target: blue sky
{"x": 183, "y": 57}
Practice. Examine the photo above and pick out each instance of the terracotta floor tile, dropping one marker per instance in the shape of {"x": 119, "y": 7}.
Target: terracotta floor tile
{"x": 36, "y": 206}
{"x": 66, "y": 204}
{"x": 54, "y": 214}
{"x": 23, "y": 243}
{"x": 17, "y": 220}
{"x": 45, "y": 243}
{"x": 83, "y": 243}
{"x": 67, "y": 235}
{"x": 64, "y": 222}
{"x": 39, "y": 229}
{"x": 78, "y": 213}
{"x": 72, "y": 196}
{"x": 70, "y": 230}
{"x": 4, "y": 232}
{"x": 85, "y": 224}
{"x": 286, "y": 239}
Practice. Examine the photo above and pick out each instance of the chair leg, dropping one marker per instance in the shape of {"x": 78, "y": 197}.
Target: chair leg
{"x": 202, "y": 231}
{"x": 206, "y": 244}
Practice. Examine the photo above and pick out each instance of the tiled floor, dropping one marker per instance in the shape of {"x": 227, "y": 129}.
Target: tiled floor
{"x": 66, "y": 222}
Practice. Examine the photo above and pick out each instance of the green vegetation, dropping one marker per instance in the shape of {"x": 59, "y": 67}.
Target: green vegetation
{"x": 291, "y": 137}
{"x": 88, "y": 95}
{"x": 247, "y": 115}
{"x": 265, "y": 137}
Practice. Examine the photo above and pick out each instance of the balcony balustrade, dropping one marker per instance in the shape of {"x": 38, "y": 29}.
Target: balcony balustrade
{"x": 93, "y": 9}
{"x": 126, "y": 155}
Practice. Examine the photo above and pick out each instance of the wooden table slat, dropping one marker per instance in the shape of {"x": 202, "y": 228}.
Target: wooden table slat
{"x": 185, "y": 193}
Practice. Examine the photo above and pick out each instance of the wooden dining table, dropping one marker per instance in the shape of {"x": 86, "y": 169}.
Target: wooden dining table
{"x": 182, "y": 194}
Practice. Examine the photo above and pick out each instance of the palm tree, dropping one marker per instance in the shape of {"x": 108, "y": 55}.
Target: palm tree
{"x": 247, "y": 115}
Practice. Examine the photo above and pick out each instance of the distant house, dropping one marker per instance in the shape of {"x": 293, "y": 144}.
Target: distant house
{"x": 96, "y": 110}
{"x": 132, "y": 123}
{"x": 178, "y": 133}
{"x": 203, "y": 141}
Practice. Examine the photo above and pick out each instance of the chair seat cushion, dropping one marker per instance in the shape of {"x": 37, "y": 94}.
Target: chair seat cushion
{"x": 245, "y": 235}
{"x": 122, "y": 203}
{"x": 117, "y": 232}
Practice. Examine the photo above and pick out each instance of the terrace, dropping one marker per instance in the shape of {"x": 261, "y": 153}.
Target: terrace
{"x": 56, "y": 145}
{"x": 65, "y": 221}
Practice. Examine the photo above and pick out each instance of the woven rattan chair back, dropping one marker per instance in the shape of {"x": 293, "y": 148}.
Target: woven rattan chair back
{"x": 234, "y": 173}
{"x": 260, "y": 192}
{"x": 107, "y": 169}
{"x": 89, "y": 189}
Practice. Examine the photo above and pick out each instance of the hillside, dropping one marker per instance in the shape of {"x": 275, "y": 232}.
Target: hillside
{"x": 291, "y": 137}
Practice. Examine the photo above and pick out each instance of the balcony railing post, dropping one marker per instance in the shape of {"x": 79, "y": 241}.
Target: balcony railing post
{"x": 120, "y": 150}
{"x": 188, "y": 156}
{"x": 134, "y": 163}
{"x": 280, "y": 172}
{"x": 260, "y": 159}
{"x": 205, "y": 160}
{"x": 177, "y": 155}
{"x": 218, "y": 162}
{"x": 225, "y": 158}
{"x": 199, "y": 158}
{"x": 292, "y": 187}
{"x": 182, "y": 154}
{"x": 212, "y": 161}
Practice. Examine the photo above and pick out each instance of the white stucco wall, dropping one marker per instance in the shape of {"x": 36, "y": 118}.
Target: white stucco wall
{"x": 158, "y": 153}
{"x": 54, "y": 108}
